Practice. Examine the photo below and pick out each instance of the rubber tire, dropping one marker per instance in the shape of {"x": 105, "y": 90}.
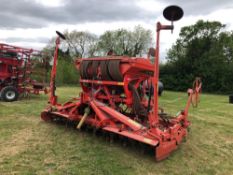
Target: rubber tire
{"x": 231, "y": 98}
{"x": 6, "y": 89}
{"x": 160, "y": 92}
{"x": 160, "y": 84}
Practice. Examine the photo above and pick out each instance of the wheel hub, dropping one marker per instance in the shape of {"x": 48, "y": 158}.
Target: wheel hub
{"x": 10, "y": 95}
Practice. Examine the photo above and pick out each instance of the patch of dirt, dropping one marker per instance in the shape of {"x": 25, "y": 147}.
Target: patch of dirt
{"x": 16, "y": 144}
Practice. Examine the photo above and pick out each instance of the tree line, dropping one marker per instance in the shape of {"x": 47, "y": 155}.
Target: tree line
{"x": 204, "y": 49}
{"x": 84, "y": 44}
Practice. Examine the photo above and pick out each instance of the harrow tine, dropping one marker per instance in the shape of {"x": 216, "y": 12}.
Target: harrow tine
{"x": 83, "y": 128}
{"x": 96, "y": 132}
{"x": 105, "y": 135}
{"x": 142, "y": 148}
{"x": 112, "y": 136}
{"x": 132, "y": 143}
{"x": 124, "y": 141}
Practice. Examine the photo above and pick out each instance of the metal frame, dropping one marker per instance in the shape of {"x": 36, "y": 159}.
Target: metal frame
{"x": 21, "y": 70}
{"x": 98, "y": 104}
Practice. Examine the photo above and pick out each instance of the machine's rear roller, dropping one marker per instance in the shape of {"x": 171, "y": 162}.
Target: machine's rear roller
{"x": 109, "y": 69}
{"x": 83, "y": 69}
{"x": 95, "y": 66}
{"x": 88, "y": 70}
{"x": 114, "y": 70}
{"x": 104, "y": 70}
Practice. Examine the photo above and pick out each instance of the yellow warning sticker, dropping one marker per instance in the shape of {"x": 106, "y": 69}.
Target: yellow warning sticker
{"x": 147, "y": 140}
{"x": 120, "y": 83}
{"x": 134, "y": 123}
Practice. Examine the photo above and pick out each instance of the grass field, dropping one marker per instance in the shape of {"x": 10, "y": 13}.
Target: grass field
{"x": 31, "y": 146}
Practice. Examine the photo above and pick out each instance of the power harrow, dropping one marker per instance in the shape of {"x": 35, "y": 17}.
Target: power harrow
{"x": 114, "y": 98}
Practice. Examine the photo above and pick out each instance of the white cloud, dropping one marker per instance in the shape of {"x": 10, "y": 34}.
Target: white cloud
{"x": 51, "y": 3}
{"x": 48, "y": 32}
{"x": 151, "y": 5}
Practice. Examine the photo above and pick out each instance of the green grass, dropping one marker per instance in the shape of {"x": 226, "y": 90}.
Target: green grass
{"x": 31, "y": 146}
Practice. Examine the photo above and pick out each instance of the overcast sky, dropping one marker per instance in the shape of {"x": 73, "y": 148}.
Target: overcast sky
{"x": 31, "y": 23}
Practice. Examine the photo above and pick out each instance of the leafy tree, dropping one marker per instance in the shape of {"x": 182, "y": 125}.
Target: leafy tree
{"x": 66, "y": 72}
{"x": 204, "y": 50}
{"x": 107, "y": 41}
{"x": 124, "y": 42}
{"x": 77, "y": 44}
{"x": 84, "y": 43}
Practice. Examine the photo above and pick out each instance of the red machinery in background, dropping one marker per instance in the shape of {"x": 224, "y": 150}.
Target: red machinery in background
{"x": 114, "y": 99}
{"x": 16, "y": 70}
